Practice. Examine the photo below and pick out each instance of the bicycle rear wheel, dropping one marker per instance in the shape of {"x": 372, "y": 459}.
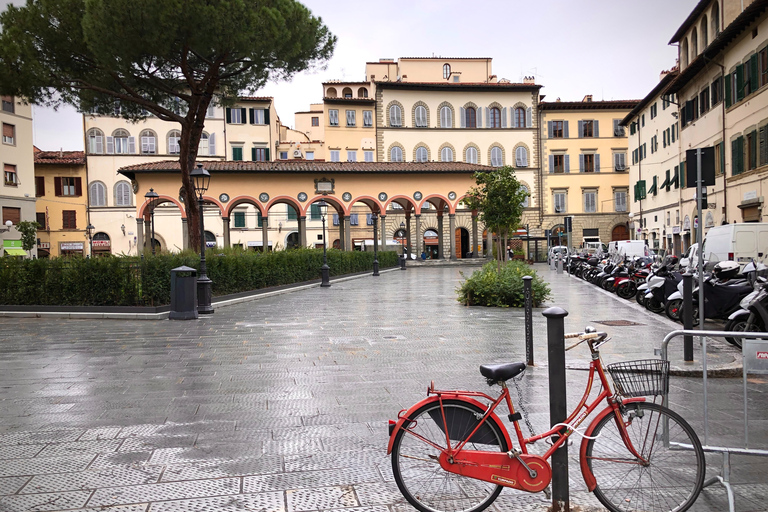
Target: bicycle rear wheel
{"x": 415, "y": 463}
{"x": 672, "y": 477}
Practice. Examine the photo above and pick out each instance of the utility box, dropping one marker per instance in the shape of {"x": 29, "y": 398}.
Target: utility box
{"x": 183, "y": 293}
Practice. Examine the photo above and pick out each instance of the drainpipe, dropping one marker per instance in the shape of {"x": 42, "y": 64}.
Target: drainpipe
{"x": 725, "y": 185}
{"x": 639, "y": 166}
{"x": 87, "y": 188}
{"x": 541, "y": 169}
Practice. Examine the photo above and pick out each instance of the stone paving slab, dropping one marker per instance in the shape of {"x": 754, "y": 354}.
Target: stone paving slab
{"x": 280, "y": 404}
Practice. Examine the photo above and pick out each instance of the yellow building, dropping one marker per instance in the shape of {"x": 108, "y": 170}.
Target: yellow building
{"x": 62, "y": 206}
{"x": 584, "y": 169}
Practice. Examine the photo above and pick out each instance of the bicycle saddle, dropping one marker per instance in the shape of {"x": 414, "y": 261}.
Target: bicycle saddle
{"x": 501, "y": 372}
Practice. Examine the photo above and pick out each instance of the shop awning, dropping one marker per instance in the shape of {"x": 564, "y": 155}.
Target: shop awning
{"x": 13, "y": 251}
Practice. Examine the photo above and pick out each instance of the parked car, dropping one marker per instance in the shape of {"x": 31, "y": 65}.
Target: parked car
{"x": 554, "y": 251}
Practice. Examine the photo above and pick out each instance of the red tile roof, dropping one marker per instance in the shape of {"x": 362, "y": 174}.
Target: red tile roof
{"x": 60, "y": 157}
{"x": 589, "y": 105}
{"x": 457, "y": 85}
{"x": 255, "y": 98}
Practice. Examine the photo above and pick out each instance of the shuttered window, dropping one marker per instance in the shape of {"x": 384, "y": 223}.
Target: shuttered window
{"x": 395, "y": 116}
{"x": 95, "y": 142}
{"x": 590, "y": 201}
{"x": 239, "y": 219}
{"x": 421, "y": 154}
{"x": 7, "y": 102}
{"x": 618, "y": 130}
{"x": 620, "y": 200}
{"x": 351, "y": 121}
{"x": 97, "y": 194}
{"x": 446, "y": 117}
{"x": 396, "y": 155}
{"x": 421, "y": 116}
{"x": 11, "y": 214}
{"x": 335, "y": 155}
{"x": 471, "y": 156}
{"x": 123, "y": 194}
{"x": 351, "y": 156}
{"x": 560, "y": 202}
{"x": 367, "y": 118}
{"x": 236, "y": 116}
{"x": 258, "y": 115}
{"x": 237, "y": 154}
{"x": 521, "y": 157}
{"x": 65, "y": 186}
{"x": 173, "y": 142}
{"x": 446, "y": 155}
{"x": 470, "y": 118}
{"x": 497, "y": 157}
{"x": 737, "y": 156}
{"x": 40, "y": 218}
{"x": 69, "y": 219}
{"x": 9, "y": 134}
{"x": 494, "y": 118}
{"x": 39, "y": 186}
{"x": 333, "y": 117}
{"x": 148, "y": 141}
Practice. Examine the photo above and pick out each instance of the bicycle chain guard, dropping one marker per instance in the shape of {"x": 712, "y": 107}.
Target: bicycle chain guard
{"x": 499, "y": 468}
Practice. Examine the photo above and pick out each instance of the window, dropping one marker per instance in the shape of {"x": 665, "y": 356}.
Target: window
{"x": 521, "y": 157}
{"x": 446, "y": 155}
{"x": 351, "y": 118}
{"x": 123, "y": 194}
{"x": 95, "y": 142}
{"x": 347, "y": 92}
{"x": 704, "y": 34}
{"x": 587, "y": 163}
{"x": 717, "y": 91}
{"x": 309, "y": 155}
{"x": 737, "y": 156}
{"x": 421, "y": 116}
{"x": 590, "y": 201}
{"x": 362, "y": 92}
{"x": 260, "y": 154}
{"x": 351, "y": 156}
{"x": 704, "y": 101}
{"x": 39, "y": 186}
{"x": 519, "y": 120}
{"x": 314, "y": 212}
{"x": 367, "y": 118}
{"x": 333, "y": 117}
{"x": 494, "y": 118}
{"x": 11, "y": 178}
{"x": 620, "y": 200}
{"x": 751, "y": 153}
{"x": 9, "y": 134}
{"x": 283, "y": 155}
{"x": 396, "y": 155}
{"x": 446, "y": 117}
{"x": 719, "y": 158}
{"x": 471, "y": 156}
{"x": 470, "y": 117}
{"x": 335, "y": 155}
{"x": 618, "y": 130}
{"x": 211, "y": 111}
{"x": 654, "y": 110}
{"x": 239, "y": 219}
{"x": 292, "y": 215}
{"x": 446, "y": 71}
{"x": 69, "y": 219}
{"x": 620, "y": 161}
{"x": 237, "y": 153}
{"x": 747, "y": 78}
{"x": 715, "y": 21}
{"x": 497, "y": 157}
{"x": 353, "y": 219}
{"x": 421, "y": 154}
{"x": 588, "y": 129}
{"x": 368, "y": 155}
{"x": 259, "y": 116}
{"x": 148, "y": 141}
{"x": 236, "y": 116}
{"x": 97, "y": 194}
{"x": 173, "y": 142}
{"x": 557, "y": 163}
{"x": 762, "y": 146}
{"x": 65, "y": 186}
{"x": 7, "y": 102}
{"x": 40, "y": 218}
{"x": 558, "y": 129}
{"x": 560, "y": 198}
{"x": 202, "y": 147}
{"x": 11, "y": 214}
{"x": 527, "y": 200}
{"x": 315, "y": 121}
{"x": 395, "y": 116}
{"x": 762, "y": 59}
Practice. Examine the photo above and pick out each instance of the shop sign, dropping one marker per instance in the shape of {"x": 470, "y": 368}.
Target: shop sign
{"x": 12, "y": 244}
{"x": 44, "y": 245}
{"x": 102, "y": 243}
{"x": 752, "y": 194}
{"x": 71, "y": 246}
{"x": 675, "y": 230}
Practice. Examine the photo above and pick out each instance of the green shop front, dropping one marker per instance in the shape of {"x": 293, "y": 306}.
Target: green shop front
{"x": 13, "y": 248}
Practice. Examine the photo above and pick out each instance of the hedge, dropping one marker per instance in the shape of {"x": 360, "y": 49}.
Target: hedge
{"x": 491, "y": 287}
{"x": 133, "y": 281}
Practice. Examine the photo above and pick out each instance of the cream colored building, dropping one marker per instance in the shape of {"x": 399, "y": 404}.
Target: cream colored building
{"x": 584, "y": 169}
{"x": 17, "y": 195}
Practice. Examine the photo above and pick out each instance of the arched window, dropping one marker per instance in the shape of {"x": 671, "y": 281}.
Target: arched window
{"x": 715, "y": 20}
{"x": 97, "y": 194}
{"x": 362, "y": 92}
{"x": 421, "y": 116}
{"x": 347, "y": 92}
{"x": 684, "y": 54}
{"x": 446, "y": 117}
{"x": 148, "y": 142}
{"x": 446, "y": 71}
{"x": 95, "y": 142}
{"x": 202, "y": 148}
{"x": 521, "y": 157}
{"x": 519, "y": 118}
{"x": 704, "y": 33}
{"x": 494, "y": 118}
{"x": 123, "y": 194}
{"x": 122, "y": 141}
{"x": 396, "y": 154}
{"x": 526, "y": 201}
{"x": 471, "y": 155}
{"x": 395, "y": 116}
{"x": 694, "y": 44}
{"x": 470, "y": 117}
{"x": 497, "y": 157}
{"x": 446, "y": 155}
{"x": 331, "y": 92}
{"x": 173, "y": 142}
{"x": 421, "y": 154}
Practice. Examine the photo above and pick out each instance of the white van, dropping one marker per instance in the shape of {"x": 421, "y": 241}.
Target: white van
{"x": 629, "y": 248}
{"x": 736, "y": 242}
{"x": 690, "y": 257}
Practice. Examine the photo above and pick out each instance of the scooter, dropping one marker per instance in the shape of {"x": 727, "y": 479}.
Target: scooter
{"x": 662, "y": 285}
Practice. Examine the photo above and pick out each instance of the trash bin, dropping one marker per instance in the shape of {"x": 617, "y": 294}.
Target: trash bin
{"x": 183, "y": 293}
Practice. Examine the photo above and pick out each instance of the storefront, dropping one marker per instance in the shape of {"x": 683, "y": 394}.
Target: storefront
{"x": 13, "y": 248}
{"x": 71, "y": 248}
{"x": 258, "y": 245}
{"x": 102, "y": 245}
{"x": 44, "y": 250}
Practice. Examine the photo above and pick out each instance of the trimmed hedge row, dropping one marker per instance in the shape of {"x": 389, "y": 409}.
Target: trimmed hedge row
{"x": 132, "y": 281}
{"x": 491, "y": 287}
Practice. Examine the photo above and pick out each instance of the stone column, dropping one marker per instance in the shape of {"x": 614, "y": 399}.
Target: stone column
{"x": 342, "y": 236}
{"x": 440, "y": 252}
{"x": 303, "y": 231}
{"x": 265, "y": 234}
{"x": 408, "y": 233}
{"x": 184, "y": 234}
{"x": 489, "y": 242}
{"x": 347, "y": 234}
{"x": 148, "y": 234}
{"x": 139, "y": 236}
{"x": 452, "y": 234}
{"x": 474, "y": 234}
{"x": 225, "y": 220}
{"x": 383, "y": 232}
{"x": 419, "y": 238}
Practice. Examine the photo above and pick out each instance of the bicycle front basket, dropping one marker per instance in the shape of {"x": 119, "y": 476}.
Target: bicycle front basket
{"x": 644, "y": 377}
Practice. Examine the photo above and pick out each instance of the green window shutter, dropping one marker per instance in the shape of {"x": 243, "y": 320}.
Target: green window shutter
{"x": 229, "y": 115}
{"x": 753, "y": 150}
{"x": 252, "y": 116}
{"x": 741, "y": 153}
{"x": 727, "y": 81}
{"x": 239, "y": 219}
{"x": 739, "y": 83}
{"x": 266, "y": 118}
{"x": 642, "y": 189}
{"x": 314, "y": 212}
{"x": 237, "y": 154}
{"x": 753, "y": 74}
{"x": 676, "y": 179}
{"x": 253, "y": 154}
{"x": 683, "y": 184}
{"x": 266, "y": 154}
{"x": 260, "y": 218}
{"x": 635, "y": 192}
{"x": 735, "y": 157}
{"x": 292, "y": 215}
{"x": 654, "y": 188}
{"x": 722, "y": 157}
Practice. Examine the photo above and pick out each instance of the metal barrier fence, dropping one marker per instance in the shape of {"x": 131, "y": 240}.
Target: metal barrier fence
{"x": 755, "y": 361}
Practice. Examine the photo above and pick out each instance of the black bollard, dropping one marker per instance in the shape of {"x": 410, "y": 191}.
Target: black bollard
{"x": 558, "y": 407}
{"x": 528, "y": 320}
{"x": 688, "y": 315}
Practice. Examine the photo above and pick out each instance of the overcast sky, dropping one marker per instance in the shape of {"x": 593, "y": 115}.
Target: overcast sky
{"x": 612, "y": 49}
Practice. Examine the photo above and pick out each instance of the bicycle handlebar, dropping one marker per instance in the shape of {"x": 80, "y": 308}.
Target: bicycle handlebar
{"x": 584, "y": 336}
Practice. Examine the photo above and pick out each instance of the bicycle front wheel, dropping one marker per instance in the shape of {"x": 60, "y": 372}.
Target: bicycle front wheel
{"x": 671, "y": 474}
{"x": 415, "y": 463}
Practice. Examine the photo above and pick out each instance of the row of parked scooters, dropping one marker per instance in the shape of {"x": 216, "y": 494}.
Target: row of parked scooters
{"x": 738, "y": 297}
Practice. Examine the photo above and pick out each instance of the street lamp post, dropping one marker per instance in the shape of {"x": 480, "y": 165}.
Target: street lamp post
{"x": 402, "y": 242}
{"x": 153, "y": 198}
{"x": 375, "y": 219}
{"x": 325, "y": 270}
{"x": 89, "y": 231}
{"x": 202, "y": 179}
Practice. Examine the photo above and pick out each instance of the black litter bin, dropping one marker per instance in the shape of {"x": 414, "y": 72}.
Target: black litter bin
{"x": 183, "y": 293}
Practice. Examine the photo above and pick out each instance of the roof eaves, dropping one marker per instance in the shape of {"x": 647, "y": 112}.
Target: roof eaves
{"x": 692, "y": 17}
{"x": 659, "y": 89}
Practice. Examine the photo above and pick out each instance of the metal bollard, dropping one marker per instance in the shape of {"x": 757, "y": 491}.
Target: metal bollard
{"x": 688, "y": 315}
{"x": 527, "y": 281}
{"x": 558, "y": 407}
{"x": 552, "y": 264}
{"x": 559, "y": 264}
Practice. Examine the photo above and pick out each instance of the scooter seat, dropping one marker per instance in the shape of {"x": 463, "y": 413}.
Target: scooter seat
{"x": 501, "y": 372}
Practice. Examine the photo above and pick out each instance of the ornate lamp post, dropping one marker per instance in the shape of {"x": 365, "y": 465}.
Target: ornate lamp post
{"x": 375, "y": 219}
{"x": 89, "y": 233}
{"x": 202, "y": 179}
{"x": 153, "y": 198}
{"x": 325, "y": 270}
{"x": 402, "y": 242}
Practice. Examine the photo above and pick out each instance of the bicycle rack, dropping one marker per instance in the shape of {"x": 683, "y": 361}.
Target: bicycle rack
{"x": 753, "y": 344}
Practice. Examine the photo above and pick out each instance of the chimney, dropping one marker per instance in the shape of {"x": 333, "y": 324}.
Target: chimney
{"x": 587, "y": 98}
{"x": 529, "y": 80}
{"x": 61, "y": 152}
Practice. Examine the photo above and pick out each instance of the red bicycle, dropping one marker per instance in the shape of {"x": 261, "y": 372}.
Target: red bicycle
{"x": 451, "y": 452}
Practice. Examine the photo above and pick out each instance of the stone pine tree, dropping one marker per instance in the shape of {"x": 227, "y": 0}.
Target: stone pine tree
{"x": 168, "y": 58}
{"x": 499, "y": 197}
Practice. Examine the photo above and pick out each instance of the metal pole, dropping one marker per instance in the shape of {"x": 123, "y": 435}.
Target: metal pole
{"x": 152, "y": 241}
{"x": 402, "y": 256}
{"x": 558, "y": 408}
{"x": 688, "y": 315}
{"x": 528, "y": 320}
{"x": 699, "y": 240}
{"x": 203, "y": 282}
{"x": 375, "y": 219}
{"x": 325, "y": 270}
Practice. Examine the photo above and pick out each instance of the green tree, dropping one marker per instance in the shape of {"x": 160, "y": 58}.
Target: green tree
{"x": 499, "y": 198}
{"x": 170, "y": 58}
{"x": 28, "y": 230}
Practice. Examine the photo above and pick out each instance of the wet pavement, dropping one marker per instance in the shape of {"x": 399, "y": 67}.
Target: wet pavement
{"x": 281, "y": 403}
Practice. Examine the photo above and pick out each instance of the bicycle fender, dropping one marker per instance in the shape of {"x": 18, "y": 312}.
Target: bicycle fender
{"x": 589, "y": 478}
{"x": 403, "y": 416}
